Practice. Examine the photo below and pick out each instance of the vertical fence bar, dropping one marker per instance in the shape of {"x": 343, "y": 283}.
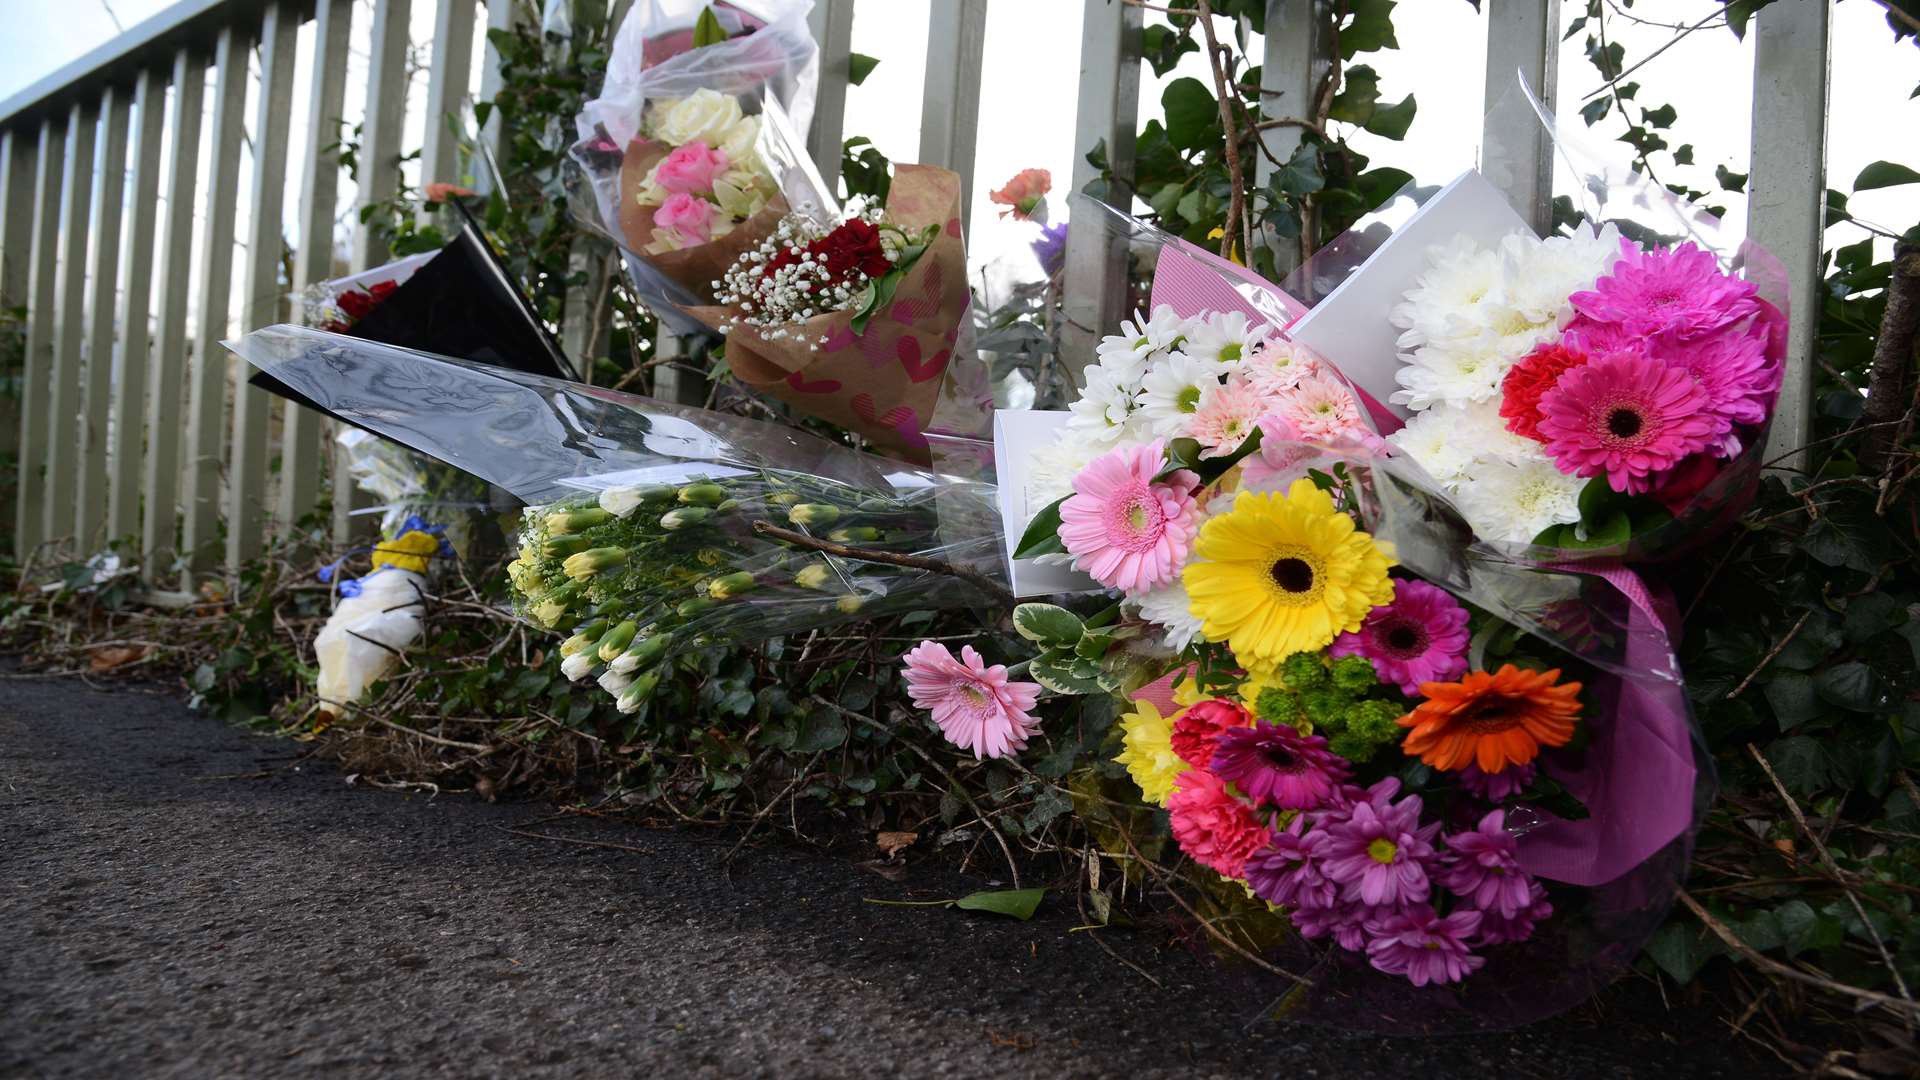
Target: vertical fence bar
{"x": 446, "y": 86}
{"x": 379, "y": 174}
{"x": 503, "y": 16}
{"x": 1297, "y": 52}
{"x": 1787, "y": 194}
{"x": 950, "y": 105}
{"x": 16, "y": 212}
{"x": 69, "y": 319}
{"x": 266, "y": 244}
{"x": 1523, "y": 36}
{"x": 109, "y": 196}
{"x": 300, "y": 455}
{"x": 1095, "y": 283}
{"x": 136, "y": 304}
{"x": 832, "y": 24}
{"x": 207, "y": 375}
{"x": 161, "y": 479}
{"x": 36, "y": 390}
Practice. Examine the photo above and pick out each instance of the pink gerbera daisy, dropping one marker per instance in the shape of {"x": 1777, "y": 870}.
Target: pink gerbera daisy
{"x": 1277, "y": 766}
{"x": 1320, "y": 408}
{"x": 1425, "y": 947}
{"x": 1420, "y": 636}
{"x": 1679, "y": 290}
{"x": 1627, "y": 416}
{"x": 1225, "y": 419}
{"x": 1732, "y": 367}
{"x": 1124, "y": 529}
{"x": 1215, "y": 829}
{"x": 977, "y": 707}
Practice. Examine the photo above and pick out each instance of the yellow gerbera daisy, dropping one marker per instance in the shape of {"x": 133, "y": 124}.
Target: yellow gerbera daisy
{"x": 1149, "y": 755}
{"x": 1281, "y": 574}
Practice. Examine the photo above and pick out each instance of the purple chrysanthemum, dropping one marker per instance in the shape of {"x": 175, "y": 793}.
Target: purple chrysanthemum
{"x": 1051, "y": 248}
{"x": 1482, "y": 867}
{"x": 1287, "y": 871}
{"x": 1498, "y": 929}
{"x": 1679, "y": 290}
{"x": 1424, "y": 946}
{"x": 1277, "y": 766}
{"x": 1496, "y": 787}
{"x": 1380, "y": 854}
{"x": 1346, "y": 921}
{"x": 1419, "y": 636}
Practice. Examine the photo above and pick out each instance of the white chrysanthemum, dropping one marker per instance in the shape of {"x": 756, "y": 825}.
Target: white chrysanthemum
{"x": 1176, "y": 388}
{"x": 1482, "y": 431}
{"x": 1101, "y": 411}
{"x": 1169, "y": 607}
{"x": 1445, "y": 300}
{"x": 1166, "y": 328}
{"x": 1053, "y": 468}
{"x": 1431, "y": 440}
{"x": 1514, "y": 502}
{"x": 1538, "y": 275}
{"x": 1224, "y": 337}
{"x": 1454, "y": 374}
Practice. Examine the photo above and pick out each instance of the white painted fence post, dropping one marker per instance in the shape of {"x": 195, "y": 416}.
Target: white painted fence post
{"x": 89, "y": 493}
{"x": 1787, "y": 191}
{"x": 832, "y": 25}
{"x": 950, "y": 105}
{"x": 136, "y": 304}
{"x": 16, "y": 212}
{"x": 1523, "y": 37}
{"x": 69, "y": 318}
{"x": 36, "y": 384}
{"x": 1095, "y": 282}
{"x": 159, "y": 516}
{"x": 1296, "y": 53}
{"x": 446, "y": 88}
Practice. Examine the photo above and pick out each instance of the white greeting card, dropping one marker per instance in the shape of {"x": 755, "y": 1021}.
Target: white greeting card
{"x": 1350, "y": 327}
{"x": 1019, "y": 434}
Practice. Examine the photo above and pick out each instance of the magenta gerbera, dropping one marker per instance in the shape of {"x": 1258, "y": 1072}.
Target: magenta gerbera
{"x": 1425, "y": 947}
{"x": 977, "y": 707}
{"x": 1626, "y": 416}
{"x": 1420, "y": 636}
{"x": 1215, "y": 829}
{"x": 1277, "y": 766}
{"x": 1380, "y": 853}
{"x": 1679, "y": 290}
{"x": 1482, "y": 867}
{"x": 1732, "y": 367}
{"x": 1124, "y": 529}
{"x": 1287, "y": 870}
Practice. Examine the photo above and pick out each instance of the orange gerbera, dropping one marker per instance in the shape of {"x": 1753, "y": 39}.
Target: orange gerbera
{"x": 1492, "y": 720}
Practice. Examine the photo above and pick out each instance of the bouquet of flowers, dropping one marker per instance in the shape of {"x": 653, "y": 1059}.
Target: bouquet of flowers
{"x": 1581, "y": 390}
{"x": 695, "y": 177}
{"x": 339, "y": 304}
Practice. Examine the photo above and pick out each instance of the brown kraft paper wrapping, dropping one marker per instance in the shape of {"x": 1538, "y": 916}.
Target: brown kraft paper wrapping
{"x": 883, "y": 383}
{"x": 696, "y": 268}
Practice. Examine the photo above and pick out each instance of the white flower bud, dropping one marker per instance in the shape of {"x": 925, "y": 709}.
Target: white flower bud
{"x": 577, "y": 666}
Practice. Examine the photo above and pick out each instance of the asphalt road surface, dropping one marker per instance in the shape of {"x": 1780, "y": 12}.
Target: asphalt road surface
{"x": 181, "y": 898}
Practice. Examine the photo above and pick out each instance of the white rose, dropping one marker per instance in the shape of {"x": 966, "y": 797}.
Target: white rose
{"x": 740, "y": 141}
{"x": 708, "y": 116}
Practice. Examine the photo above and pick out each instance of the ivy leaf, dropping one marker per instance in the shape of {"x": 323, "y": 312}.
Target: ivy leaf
{"x": 1359, "y": 92}
{"x": 1884, "y": 174}
{"x": 1049, "y": 805}
{"x": 1393, "y": 121}
{"x": 1662, "y": 117}
{"x": 1596, "y": 110}
{"x": 1048, "y": 625}
{"x": 1852, "y": 685}
{"x": 1845, "y": 536}
{"x": 1043, "y": 533}
{"x": 859, "y": 66}
{"x": 1301, "y": 175}
{"x": 1804, "y": 928}
{"x": 1678, "y": 951}
{"x": 823, "y": 731}
{"x": 1370, "y": 30}
{"x": 1191, "y": 111}
{"x": 1801, "y": 762}
{"x": 1793, "y": 699}
{"x": 1017, "y": 903}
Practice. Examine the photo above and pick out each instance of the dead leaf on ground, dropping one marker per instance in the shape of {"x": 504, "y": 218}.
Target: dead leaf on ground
{"x": 893, "y": 843}
{"x": 114, "y": 656}
{"x": 894, "y": 869}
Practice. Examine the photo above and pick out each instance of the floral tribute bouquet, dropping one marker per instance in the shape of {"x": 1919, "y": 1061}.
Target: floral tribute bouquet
{"x": 339, "y": 304}
{"x": 1581, "y": 390}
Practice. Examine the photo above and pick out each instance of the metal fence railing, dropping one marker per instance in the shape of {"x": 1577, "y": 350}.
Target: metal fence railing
{"x": 136, "y": 426}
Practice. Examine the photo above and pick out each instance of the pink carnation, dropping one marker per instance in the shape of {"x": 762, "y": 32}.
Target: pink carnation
{"x": 1127, "y": 531}
{"x": 1419, "y": 637}
{"x": 977, "y": 707}
{"x": 690, "y": 217}
{"x": 1628, "y": 416}
{"x": 1679, "y": 290}
{"x": 1023, "y": 193}
{"x": 1215, "y": 829}
{"x": 690, "y": 169}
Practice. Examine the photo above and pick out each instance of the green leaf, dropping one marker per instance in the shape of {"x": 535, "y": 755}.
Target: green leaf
{"x": 1049, "y": 805}
{"x": 1393, "y": 121}
{"x": 1187, "y": 454}
{"x": 878, "y": 295}
{"x": 1042, "y": 536}
{"x": 1730, "y": 180}
{"x": 1018, "y": 903}
{"x": 1884, "y": 174}
{"x": 1596, "y": 110}
{"x": 1662, "y": 117}
{"x": 1801, "y": 762}
{"x": 1804, "y": 928}
{"x": 1191, "y": 110}
{"x": 1847, "y": 536}
{"x": 1359, "y": 92}
{"x": 1793, "y": 699}
{"x": 707, "y": 30}
{"x": 859, "y": 66}
{"x": 822, "y": 732}
{"x": 1370, "y": 30}
{"x": 1055, "y": 670}
{"x": 1678, "y": 951}
{"x": 1051, "y": 626}
{"x": 1852, "y": 685}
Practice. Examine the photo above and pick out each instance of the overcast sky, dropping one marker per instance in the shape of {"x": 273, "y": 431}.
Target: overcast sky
{"x": 1028, "y": 88}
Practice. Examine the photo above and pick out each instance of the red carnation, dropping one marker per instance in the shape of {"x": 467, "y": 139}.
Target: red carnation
{"x": 855, "y": 245}
{"x": 1197, "y": 730}
{"x": 1528, "y": 381}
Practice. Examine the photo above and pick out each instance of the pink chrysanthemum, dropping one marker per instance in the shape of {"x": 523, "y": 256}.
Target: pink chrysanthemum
{"x": 1287, "y": 870}
{"x": 1498, "y": 929}
{"x": 1281, "y": 365}
{"x": 1380, "y": 853}
{"x": 1321, "y": 408}
{"x": 1128, "y": 532}
{"x": 1496, "y": 787}
{"x": 1425, "y": 947}
{"x": 1226, "y": 418}
{"x": 1482, "y": 867}
{"x": 1420, "y": 636}
{"x": 1346, "y": 920}
{"x": 1277, "y": 766}
{"x": 1215, "y": 829}
{"x": 1679, "y": 290}
{"x": 977, "y": 707}
{"x": 1627, "y": 416}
